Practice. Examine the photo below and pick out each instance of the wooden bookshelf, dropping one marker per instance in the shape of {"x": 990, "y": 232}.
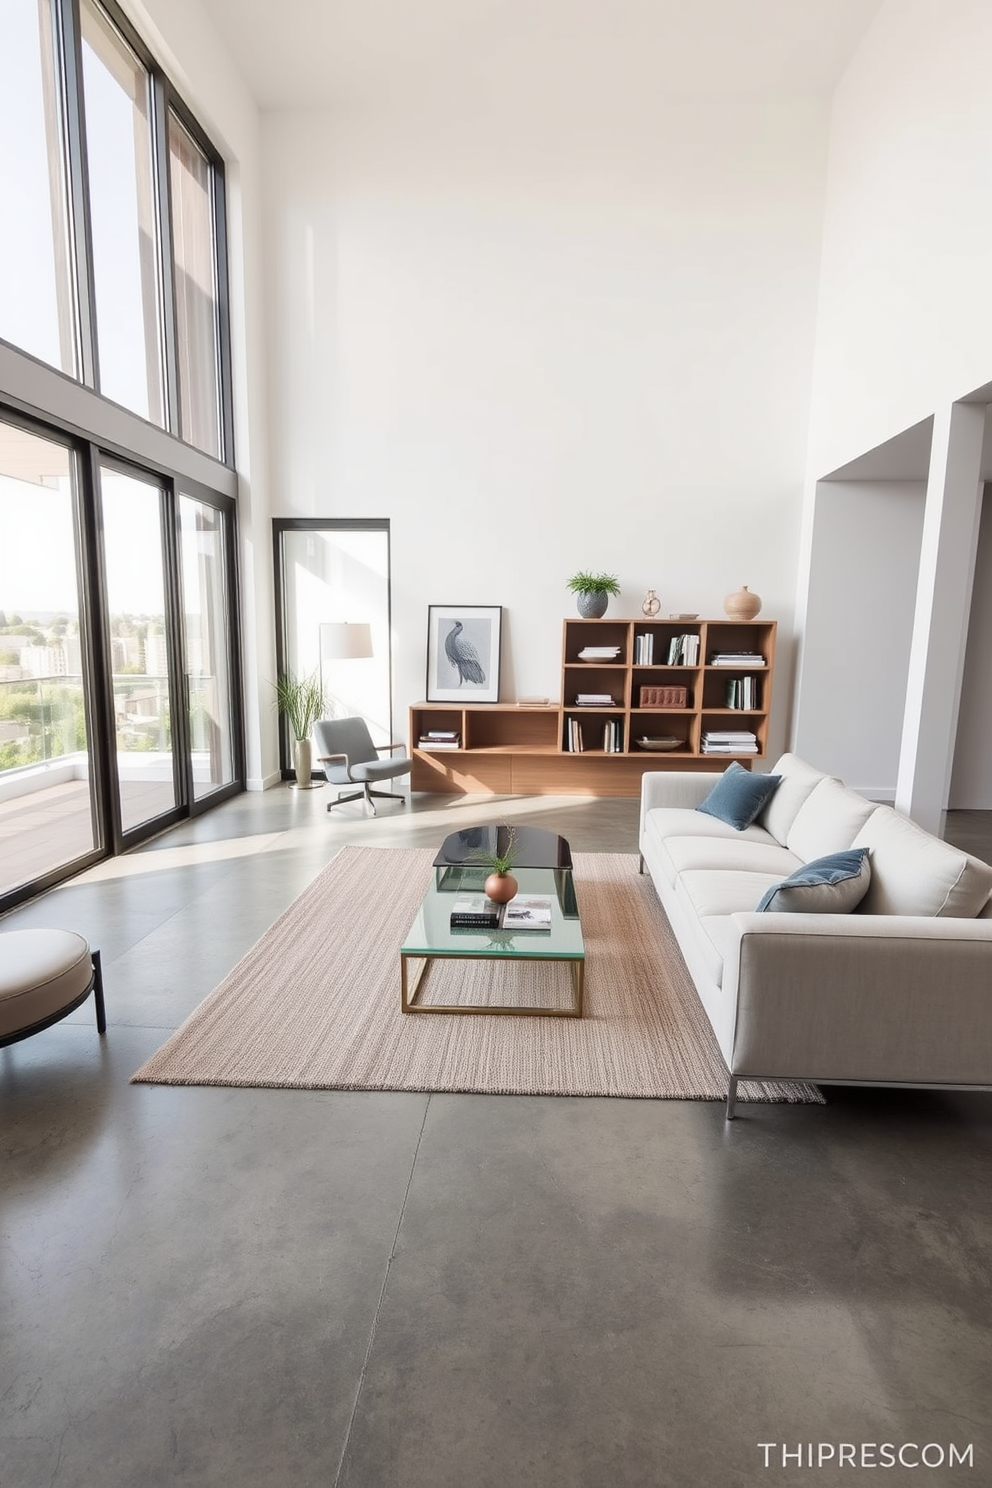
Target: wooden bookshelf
{"x": 505, "y": 749}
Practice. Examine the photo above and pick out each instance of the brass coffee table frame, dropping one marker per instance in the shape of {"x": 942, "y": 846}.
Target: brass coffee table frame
{"x": 431, "y": 938}
{"x": 410, "y": 988}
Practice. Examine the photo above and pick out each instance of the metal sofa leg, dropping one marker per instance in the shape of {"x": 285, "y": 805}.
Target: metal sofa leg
{"x": 732, "y": 1098}
{"x": 101, "y": 1010}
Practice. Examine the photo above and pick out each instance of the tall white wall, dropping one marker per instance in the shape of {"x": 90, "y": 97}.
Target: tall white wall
{"x": 971, "y": 779}
{"x": 905, "y": 318}
{"x": 904, "y": 329}
{"x": 547, "y": 340}
{"x": 860, "y": 601}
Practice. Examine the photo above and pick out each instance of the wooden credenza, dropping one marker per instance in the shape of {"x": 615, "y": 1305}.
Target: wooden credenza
{"x": 505, "y": 749}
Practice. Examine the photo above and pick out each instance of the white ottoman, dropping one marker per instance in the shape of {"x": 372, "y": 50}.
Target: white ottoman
{"x": 45, "y": 974}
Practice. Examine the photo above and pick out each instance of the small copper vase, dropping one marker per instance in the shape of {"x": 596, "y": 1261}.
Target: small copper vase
{"x": 501, "y": 887}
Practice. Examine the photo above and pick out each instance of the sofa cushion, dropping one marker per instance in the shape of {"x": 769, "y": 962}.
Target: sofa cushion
{"x": 664, "y": 822}
{"x": 913, "y": 873}
{"x": 831, "y": 885}
{"x": 721, "y": 891}
{"x": 798, "y": 780}
{"x": 828, "y": 820}
{"x": 738, "y": 796}
{"x": 739, "y": 851}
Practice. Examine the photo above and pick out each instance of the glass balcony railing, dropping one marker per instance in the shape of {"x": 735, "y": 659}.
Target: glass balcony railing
{"x": 42, "y": 720}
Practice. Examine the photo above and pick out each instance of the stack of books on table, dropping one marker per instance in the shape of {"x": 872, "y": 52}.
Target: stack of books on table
{"x": 730, "y": 741}
{"x": 593, "y": 700}
{"x": 440, "y": 739}
{"x": 524, "y": 912}
{"x": 737, "y": 659}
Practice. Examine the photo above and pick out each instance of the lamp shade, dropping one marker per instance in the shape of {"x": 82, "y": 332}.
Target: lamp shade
{"x": 342, "y": 641}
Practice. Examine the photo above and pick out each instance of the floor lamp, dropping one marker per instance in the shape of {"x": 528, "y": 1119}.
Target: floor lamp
{"x": 342, "y": 640}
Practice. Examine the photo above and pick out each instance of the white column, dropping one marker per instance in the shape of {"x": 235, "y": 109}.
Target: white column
{"x": 943, "y": 601}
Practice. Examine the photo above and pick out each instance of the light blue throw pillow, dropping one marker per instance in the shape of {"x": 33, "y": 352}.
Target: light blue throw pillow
{"x": 832, "y": 885}
{"x": 738, "y": 796}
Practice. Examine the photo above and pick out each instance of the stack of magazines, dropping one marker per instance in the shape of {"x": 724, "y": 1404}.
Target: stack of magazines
{"x": 730, "y": 741}
{"x": 524, "y": 912}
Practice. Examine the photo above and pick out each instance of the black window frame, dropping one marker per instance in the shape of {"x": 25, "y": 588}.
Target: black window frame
{"x": 164, "y": 97}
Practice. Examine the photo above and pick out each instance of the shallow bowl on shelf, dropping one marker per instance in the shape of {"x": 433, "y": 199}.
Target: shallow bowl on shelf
{"x": 659, "y": 744}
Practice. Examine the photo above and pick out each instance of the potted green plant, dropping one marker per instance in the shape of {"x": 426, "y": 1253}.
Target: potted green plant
{"x": 500, "y": 886}
{"x": 301, "y": 702}
{"x": 593, "y": 591}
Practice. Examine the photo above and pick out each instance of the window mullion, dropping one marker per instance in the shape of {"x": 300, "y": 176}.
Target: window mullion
{"x": 79, "y": 208}
{"x": 163, "y": 198}
{"x": 224, "y": 329}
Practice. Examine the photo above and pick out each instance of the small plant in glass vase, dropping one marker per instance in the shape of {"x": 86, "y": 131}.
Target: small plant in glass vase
{"x": 592, "y": 591}
{"x": 500, "y": 886}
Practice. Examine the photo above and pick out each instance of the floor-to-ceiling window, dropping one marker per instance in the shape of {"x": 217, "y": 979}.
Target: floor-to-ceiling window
{"x": 119, "y": 673}
{"x": 140, "y": 646}
{"x": 205, "y": 543}
{"x": 48, "y": 816}
{"x": 330, "y": 573}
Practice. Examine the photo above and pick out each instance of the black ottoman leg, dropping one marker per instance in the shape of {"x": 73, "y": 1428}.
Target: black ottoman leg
{"x": 101, "y": 1011}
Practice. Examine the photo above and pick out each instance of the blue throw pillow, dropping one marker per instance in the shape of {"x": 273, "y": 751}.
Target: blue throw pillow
{"x": 832, "y": 885}
{"x": 738, "y": 796}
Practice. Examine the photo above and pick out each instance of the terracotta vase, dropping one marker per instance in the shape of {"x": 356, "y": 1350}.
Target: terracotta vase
{"x": 501, "y": 887}
{"x": 743, "y": 605}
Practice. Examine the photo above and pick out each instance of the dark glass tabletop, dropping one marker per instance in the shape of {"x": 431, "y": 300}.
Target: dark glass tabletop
{"x": 533, "y": 847}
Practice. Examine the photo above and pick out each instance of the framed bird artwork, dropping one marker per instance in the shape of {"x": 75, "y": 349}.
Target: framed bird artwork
{"x": 463, "y": 652}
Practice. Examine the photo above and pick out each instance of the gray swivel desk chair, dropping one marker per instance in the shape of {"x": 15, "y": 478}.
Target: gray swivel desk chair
{"x": 349, "y": 757}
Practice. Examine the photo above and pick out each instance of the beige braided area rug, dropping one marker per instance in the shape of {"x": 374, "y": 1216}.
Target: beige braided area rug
{"x": 315, "y": 1004}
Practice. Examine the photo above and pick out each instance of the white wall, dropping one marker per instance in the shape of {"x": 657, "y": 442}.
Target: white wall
{"x": 182, "y": 37}
{"x": 543, "y": 342}
{"x": 905, "y": 319}
{"x": 971, "y": 779}
{"x": 861, "y": 597}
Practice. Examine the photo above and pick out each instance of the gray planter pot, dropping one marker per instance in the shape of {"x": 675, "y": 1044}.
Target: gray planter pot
{"x": 592, "y": 606}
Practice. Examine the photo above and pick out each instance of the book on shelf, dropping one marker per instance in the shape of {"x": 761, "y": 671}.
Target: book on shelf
{"x": 574, "y": 742}
{"x": 683, "y": 650}
{"x": 431, "y": 741}
{"x": 612, "y": 736}
{"x": 742, "y": 692}
{"x": 644, "y": 649}
{"x": 729, "y": 741}
{"x": 594, "y": 700}
{"x": 737, "y": 659}
{"x": 527, "y": 912}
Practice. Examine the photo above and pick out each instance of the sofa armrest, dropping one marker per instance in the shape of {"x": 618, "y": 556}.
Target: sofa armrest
{"x": 897, "y": 998}
{"x": 674, "y": 788}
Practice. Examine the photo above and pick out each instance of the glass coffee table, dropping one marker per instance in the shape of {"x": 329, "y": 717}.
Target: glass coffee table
{"x": 543, "y": 865}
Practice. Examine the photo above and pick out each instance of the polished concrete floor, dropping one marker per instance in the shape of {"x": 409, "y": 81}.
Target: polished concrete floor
{"x": 258, "y": 1288}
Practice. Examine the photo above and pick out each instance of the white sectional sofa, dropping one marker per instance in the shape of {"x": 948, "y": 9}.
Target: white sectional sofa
{"x": 899, "y": 991}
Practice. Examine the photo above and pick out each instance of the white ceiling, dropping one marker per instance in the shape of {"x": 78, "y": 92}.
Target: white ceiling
{"x": 320, "y": 53}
